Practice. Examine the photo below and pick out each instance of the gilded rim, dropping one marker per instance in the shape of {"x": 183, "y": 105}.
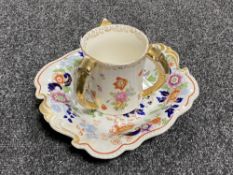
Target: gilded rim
{"x": 48, "y": 114}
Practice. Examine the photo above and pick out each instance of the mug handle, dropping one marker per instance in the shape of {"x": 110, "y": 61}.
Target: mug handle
{"x": 155, "y": 55}
{"x": 83, "y": 72}
{"x": 88, "y": 64}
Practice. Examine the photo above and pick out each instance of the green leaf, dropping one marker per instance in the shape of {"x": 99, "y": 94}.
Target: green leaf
{"x": 159, "y": 108}
{"x": 151, "y": 78}
{"x": 112, "y": 94}
{"x": 91, "y": 113}
{"x": 59, "y": 70}
{"x": 76, "y": 62}
{"x": 165, "y": 86}
{"x": 164, "y": 121}
{"x": 66, "y": 89}
{"x": 184, "y": 85}
{"x": 75, "y": 109}
{"x": 100, "y": 114}
{"x": 70, "y": 68}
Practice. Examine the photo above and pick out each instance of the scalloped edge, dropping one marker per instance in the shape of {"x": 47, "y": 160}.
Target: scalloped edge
{"x": 48, "y": 115}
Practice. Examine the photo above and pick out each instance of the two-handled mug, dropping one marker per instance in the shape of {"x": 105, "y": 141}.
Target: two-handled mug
{"x": 112, "y": 70}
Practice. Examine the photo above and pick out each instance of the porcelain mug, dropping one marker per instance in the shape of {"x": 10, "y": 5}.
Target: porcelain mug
{"x": 112, "y": 70}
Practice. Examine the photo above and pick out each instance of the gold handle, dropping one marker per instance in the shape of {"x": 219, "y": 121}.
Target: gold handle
{"x": 157, "y": 57}
{"x": 84, "y": 71}
{"x": 105, "y": 22}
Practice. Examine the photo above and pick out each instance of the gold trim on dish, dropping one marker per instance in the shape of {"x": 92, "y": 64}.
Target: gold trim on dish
{"x": 76, "y": 142}
{"x": 45, "y": 109}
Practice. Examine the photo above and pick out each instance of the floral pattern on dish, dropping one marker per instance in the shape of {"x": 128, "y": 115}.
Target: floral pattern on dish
{"x": 106, "y": 136}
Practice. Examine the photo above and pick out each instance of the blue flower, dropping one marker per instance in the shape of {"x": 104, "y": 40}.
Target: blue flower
{"x": 164, "y": 93}
{"x": 52, "y": 86}
{"x": 128, "y": 114}
{"x": 164, "y": 96}
{"x": 140, "y": 111}
{"x": 175, "y": 106}
{"x": 81, "y": 53}
{"x": 169, "y": 111}
{"x": 69, "y": 119}
{"x": 69, "y": 115}
{"x": 142, "y": 105}
{"x": 90, "y": 128}
{"x": 178, "y": 100}
{"x": 68, "y": 79}
{"x": 132, "y": 112}
{"x": 133, "y": 133}
{"x": 161, "y": 99}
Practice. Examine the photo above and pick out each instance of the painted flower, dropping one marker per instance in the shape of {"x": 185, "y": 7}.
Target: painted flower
{"x": 59, "y": 78}
{"x": 156, "y": 120}
{"x": 59, "y": 97}
{"x": 173, "y": 95}
{"x": 116, "y": 130}
{"x": 53, "y": 86}
{"x": 119, "y": 105}
{"x": 146, "y": 127}
{"x": 120, "y": 83}
{"x": 174, "y": 80}
{"x": 121, "y": 96}
{"x": 91, "y": 131}
{"x": 116, "y": 140}
{"x": 62, "y": 78}
{"x": 103, "y": 107}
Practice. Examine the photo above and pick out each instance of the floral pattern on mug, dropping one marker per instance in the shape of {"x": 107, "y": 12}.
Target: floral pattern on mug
{"x": 120, "y": 83}
{"x": 121, "y": 97}
{"x": 104, "y": 107}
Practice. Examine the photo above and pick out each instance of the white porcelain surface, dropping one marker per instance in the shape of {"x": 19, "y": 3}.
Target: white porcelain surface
{"x": 107, "y": 136}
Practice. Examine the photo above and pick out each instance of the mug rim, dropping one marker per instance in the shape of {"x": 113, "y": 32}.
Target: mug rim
{"x": 107, "y": 28}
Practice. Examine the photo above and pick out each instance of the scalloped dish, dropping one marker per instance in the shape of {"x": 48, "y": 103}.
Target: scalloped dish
{"x": 105, "y": 136}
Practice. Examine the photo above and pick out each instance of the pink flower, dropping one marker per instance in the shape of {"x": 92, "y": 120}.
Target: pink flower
{"x": 59, "y": 97}
{"x": 121, "y": 96}
{"x": 174, "y": 80}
